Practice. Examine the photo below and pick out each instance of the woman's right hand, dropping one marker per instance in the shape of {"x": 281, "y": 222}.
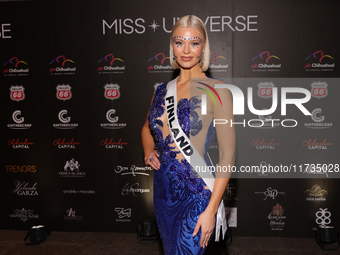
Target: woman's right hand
{"x": 152, "y": 160}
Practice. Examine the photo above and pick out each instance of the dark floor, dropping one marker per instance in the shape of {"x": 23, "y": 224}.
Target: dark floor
{"x": 94, "y": 243}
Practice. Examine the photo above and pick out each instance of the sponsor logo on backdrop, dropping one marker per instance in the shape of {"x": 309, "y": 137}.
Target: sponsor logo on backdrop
{"x": 15, "y": 143}
{"x": 72, "y": 169}
{"x": 316, "y": 193}
{"x": 318, "y": 120}
{"x": 65, "y": 121}
{"x": 133, "y": 170}
{"x": 313, "y": 144}
{"x": 266, "y": 122}
{"x": 5, "y": 31}
{"x": 214, "y": 146}
{"x": 266, "y": 62}
{"x": 218, "y": 63}
{"x": 133, "y": 189}
{"x": 113, "y": 121}
{"x": 62, "y": 143}
{"x": 110, "y": 65}
{"x": 264, "y": 145}
{"x": 265, "y": 89}
{"x": 323, "y": 217}
{"x": 24, "y": 189}
{"x": 17, "y": 93}
{"x": 113, "y": 144}
{"x": 112, "y": 91}
{"x": 64, "y": 92}
{"x": 270, "y": 193}
{"x": 314, "y": 169}
{"x": 85, "y": 192}
{"x": 231, "y": 216}
{"x": 124, "y": 214}
{"x": 276, "y": 217}
{"x": 19, "y": 121}
{"x": 318, "y": 61}
{"x": 215, "y": 24}
{"x": 21, "y": 168}
{"x": 72, "y": 216}
{"x": 159, "y": 64}
{"x": 229, "y": 193}
{"x": 15, "y": 67}
{"x": 62, "y": 66}
{"x": 24, "y": 214}
{"x": 319, "y": 89}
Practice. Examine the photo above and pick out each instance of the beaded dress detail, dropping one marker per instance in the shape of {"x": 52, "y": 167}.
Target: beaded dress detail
{"x": 179, "y": 199}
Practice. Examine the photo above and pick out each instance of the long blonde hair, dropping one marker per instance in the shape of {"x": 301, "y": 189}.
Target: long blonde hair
{"x": 194, "y": 22}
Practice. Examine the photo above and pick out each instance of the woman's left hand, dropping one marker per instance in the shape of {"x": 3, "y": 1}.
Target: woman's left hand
{"x": 206, "y": 222}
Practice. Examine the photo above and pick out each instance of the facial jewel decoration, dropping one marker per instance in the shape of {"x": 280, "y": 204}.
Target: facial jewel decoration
{"x": 194, "y": 44}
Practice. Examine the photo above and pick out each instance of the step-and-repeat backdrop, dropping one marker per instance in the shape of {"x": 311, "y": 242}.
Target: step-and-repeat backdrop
{"x": 77, "y": 78}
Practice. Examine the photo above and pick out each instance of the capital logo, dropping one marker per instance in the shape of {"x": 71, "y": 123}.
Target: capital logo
{"x": 262, "y": 144}
{"x": 110, "y": 64}
{"x": 72, "y": 165}
{"x": 23, "y": 189}
{"x": 62, "y": 117}
{"x": 313, "y": 144}
{"x": 123, "y": 212}
{"x": 265, "y": 89}
{"x": 263, "y": 62}
{"x": 17, "y": 144}
{"x": 63, "y": 144}
{"x": 113, "y": 121}
{"x": 318, "y": 61}
{"x": 316, "y": 193}
{"x": 58, "y": 66}
{"x": 71, "y": 216}
{"x": 113, "y": 144}
{"x": 64, "y": 92}
{"x": 323, "y": 217}
{"x": 111, "y": 91}
{"x": 160, "y": 65}
{"x": 319, "y": 89}
{"x": 17, "y": 93}
{"x": 24, "y": 214}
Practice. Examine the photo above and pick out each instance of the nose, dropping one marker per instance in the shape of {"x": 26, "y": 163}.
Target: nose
{"x": 186, "y": 49}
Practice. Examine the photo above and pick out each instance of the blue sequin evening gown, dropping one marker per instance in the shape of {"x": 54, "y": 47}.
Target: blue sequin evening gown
{"x": 178, "y": 199}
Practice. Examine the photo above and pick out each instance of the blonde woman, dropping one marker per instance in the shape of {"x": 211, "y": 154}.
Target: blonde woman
{"x": 186, "y": 208}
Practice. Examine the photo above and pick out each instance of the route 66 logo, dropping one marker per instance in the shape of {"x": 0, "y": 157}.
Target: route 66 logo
{"x": 265, "y": 89}
{"x": 64, "y": 92}
{"x": 319, "y": 89}
{"x": 111, "y": 91}
{"x": 17, "y": 93}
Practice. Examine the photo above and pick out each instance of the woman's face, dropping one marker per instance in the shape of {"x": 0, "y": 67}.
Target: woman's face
{"x": 187, "y": 46}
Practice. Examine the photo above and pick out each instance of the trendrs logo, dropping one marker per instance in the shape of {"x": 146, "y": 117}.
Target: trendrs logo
{"x": 17, "y": 93}
{"x": 112, "y": 91}
{"x": 60, "y": 66}
{"x": 266, "y": 62}
{"x": 113, "y": 121}
{"x": 160, "y": 64}
{"x": 21, "y": 168}
{"x": 318, "y": 61}
{"x": 19, "y": 121}
{"x": 65, "y": 121}
{"x": 110, "y": 64}
{"x": 15, "y": 67}
{"x": 64, "y": 92}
